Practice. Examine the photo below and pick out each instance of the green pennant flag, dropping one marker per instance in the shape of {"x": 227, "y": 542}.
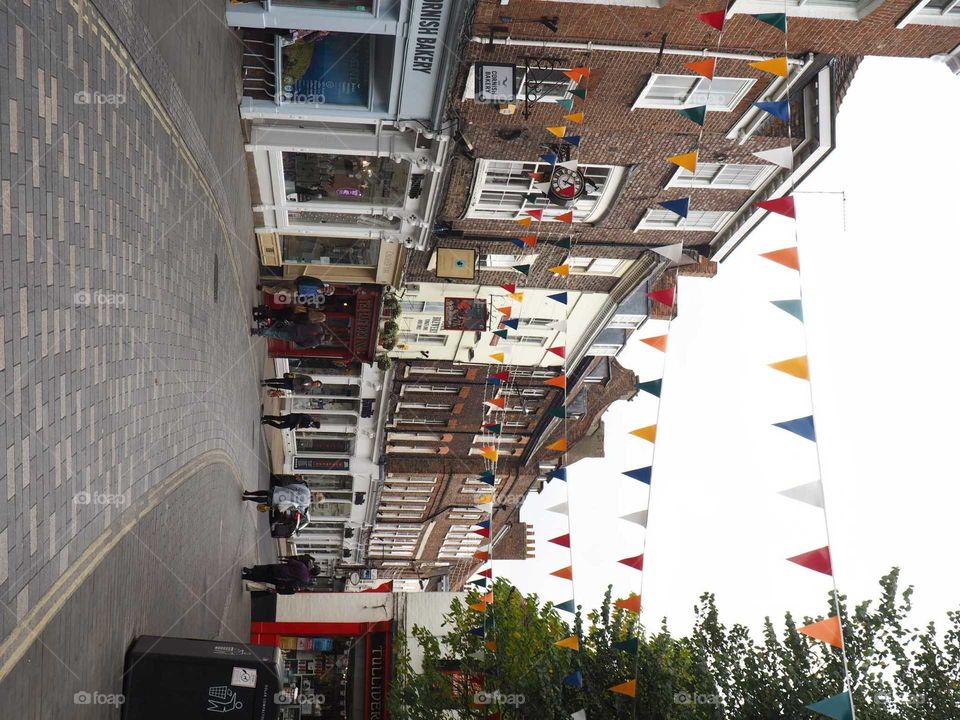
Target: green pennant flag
{"x": 651, "y": 386}
{"x": 838, "y": 707}
{"x": 777, "y": 20}
{"x": 631, "y": 646}
{"x": 525, "y": 269}
{"x": 566, "y": 104}
{"x": 560, "y": 412}
{"x": 580, "y": 93}
{"x": 697, "y": 114}
{"x": 480, "y": 582}
{"x": 564, "y": 243}
{"x": 500, "y": 333}
{"x": 567, "y": 606}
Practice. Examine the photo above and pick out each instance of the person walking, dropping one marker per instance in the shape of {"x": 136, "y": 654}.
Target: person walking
{"x": 308, "y": 290}
{"x": 292, "y": 576}
{"x": 291, "y": 314}
{"x": 293, "y": 496}
{"x": 293, "y": 382}
{"x": 284, "y": 478}
{"x": 301, "y": 335}
{"x": 291, "y": 421}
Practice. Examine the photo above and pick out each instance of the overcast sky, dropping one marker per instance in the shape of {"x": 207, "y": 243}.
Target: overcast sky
{"x": 881, "y": 307}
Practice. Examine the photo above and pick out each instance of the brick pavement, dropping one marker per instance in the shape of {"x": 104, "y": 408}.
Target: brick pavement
{"x": 127, "y": 268}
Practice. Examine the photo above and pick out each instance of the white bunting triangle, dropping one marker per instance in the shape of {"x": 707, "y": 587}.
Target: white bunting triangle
{"x": 559, "y": 325}
{"x": 542, "y": 187}
{"x": 673, "y": 253}
{"x": 569, "y": 165}
{"x": 640, "y": 518}
{"x": 809, "y": 493}
{"x": 563, "y": 508}
{"x": 782, "y": 156}
{"x": 579, "y": 715}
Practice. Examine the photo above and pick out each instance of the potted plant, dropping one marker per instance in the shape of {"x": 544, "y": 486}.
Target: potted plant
{"x": 383, "y": 361}
{"x": 389, "y": 334}
{"x": 391, "y": 305}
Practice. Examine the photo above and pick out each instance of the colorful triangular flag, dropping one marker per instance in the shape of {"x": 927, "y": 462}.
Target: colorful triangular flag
{"x": 838, "y": 707}
{"x": 577, "y": 74}
{"x": 482, "y": 532}
{"x": 639, "y": 517}
{"x": 705, "y": 67}
{"x": 774, "y": 66}
{"x": 570, "y": 165}
{"x": 631, "y": 603}
{"x": 561, "y": 508}
{"x": 559, "y": 131}
{"x": 482, "y": 582}
{"x": 559, "y": 473}
{"x": 498, "y": 356}
{"x": 561, "y": 540}
{"x": 506, "y": 310}
{"x": 796, "y": 366}
{"x": 572, "y": 642}
{"x": 501, "y": 333}
{"x": 788, "y": 257}
{"x": 714, "y": 19}
{"x": 576, "y": 117}
{"x": 563, "y": 270}
{"x": 802, "y": 426}
{"x": 518, "y": 296}
{"x": 651, "y": 386}
{"x": 559, "y": 297}
{"x": 572, "y": 140}
{"x": 564, "y": 573}
{"x": 482, "y": 555}
{"x": 666, "y": 297}
{"x": 648, "y": 433}
{"x": 525, "y": 269}
{"x": 680, "y": 207}
{"x": 567, "y": 606}
{"x": 499, "y": 402}
{"x": 513, "y": 324}
{"x": 494, "y": 428}
{"x": 488, "y": 573}
{"x": 794, "y": 307}
{"x": 579, "y": 92}
{"x": 782, "y": 156}
{"x": 688, "y": 161}
{"x": 628, "y": 688}
{"x": 777, "y": 20}
{"x": 559, "y": 350}
{"x": 517, "y": 241}
{"x": 817, "y": 560}
{"x": 644, "y": 474}
{"x": 564, "y": 243}
{"x": 535, "y": 214}
{"x": 502, "y": 376}
{"x": 478, "y": 607}
{"x": 566, "y": 217}
{"x": 781, "y": 206}
{"x": 525, "y": 221}
{"x": 559, "y": 446}
{"x": 697, "y": 114}
{"x": 659, "y": 342}
{"x": 491, "y": 645}
{"x": 827, "y": 631}
{"x": 549, "y": 158}
{"x": 574, "y": 679}
{"x": 779, "y": 109}
{"x": 559, "y": 381}
{"x": 636, "y": 562}
{"x": 510, "y": 287}
{"x": 566, "y": 104}
{"x": 630, "y": 646}
{"x": 672, "y": 252}
{"x": 810, "y": 493}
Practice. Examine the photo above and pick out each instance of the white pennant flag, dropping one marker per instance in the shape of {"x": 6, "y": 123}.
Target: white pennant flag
{"x": 673, "y": 253}
{"x": 542, "y": 187}
{"x": 579, "y": 715}
{"x": 563, "y": 508}
{"x": 569, "y": 165}
{"x": 809, "y": 493}
{"x": 640, "y": 518}
{"x": 782, "y": 156}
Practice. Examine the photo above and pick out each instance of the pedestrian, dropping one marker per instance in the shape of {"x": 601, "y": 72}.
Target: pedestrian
{"x": 292, "y": 314}
{"x": 293, "y": 575}
{"x": 308, "y": 290}
{"x": 305, "y": 336}
{"x": 284, "y": 478}
{"x": 291, "y": 421}
{"x": 294, "y": 382}
{"x": 293, "y": 496}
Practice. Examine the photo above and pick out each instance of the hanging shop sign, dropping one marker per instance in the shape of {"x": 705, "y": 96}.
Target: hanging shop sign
{"x": 495, "y": 82}
{"x": 464, "y": 314}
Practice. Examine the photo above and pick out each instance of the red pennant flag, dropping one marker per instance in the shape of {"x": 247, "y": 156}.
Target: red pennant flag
{"x": 488, "y": 573}
{"x": 510, "y": 287}
{"x": 482, "y": 532}
{"x": 528, "y": 240}
{"x": 501, "y": 376}
{"x": 703, "y": 67}
{"x": 635, "y": 562}
{"x": 499, "y": 402}
{"x": 559, "y": 350}
{"x": 562, "y": 541}
{"x": 818, "y": 560}
{"x": 781, "y": 205}
{"x": 663, "y": 296}
{"x": 566, "y": 217}
{"x": 787, "y": 257}
{"x": 714, "y": 19}
{"x": 382, "y": 587}
{"x": 659, "y": 342}
{"x": 535, "y": 214}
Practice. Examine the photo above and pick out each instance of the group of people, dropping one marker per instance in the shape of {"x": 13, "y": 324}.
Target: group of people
{"x": 300, "y": 321}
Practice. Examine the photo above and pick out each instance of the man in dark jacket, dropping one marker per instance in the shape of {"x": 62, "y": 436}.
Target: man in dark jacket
{"x": 294, "y": 382}
{"x": 291, "y": 421}
{"x": 292, "y": 575}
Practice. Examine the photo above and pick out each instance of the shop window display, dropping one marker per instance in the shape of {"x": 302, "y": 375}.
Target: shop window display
{"x": 317, "y": 177}
{"x": 327, "y": 68}
{"x": 306, "y": 250}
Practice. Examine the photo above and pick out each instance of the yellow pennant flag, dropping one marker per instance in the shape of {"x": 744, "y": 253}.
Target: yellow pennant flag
{"x": 648, "y": 433}
{"x": 688, "y": 161}
{"x": 479, "y": 607}
{"x": 485, "y": 499}
{"x": 576, "y": 117}
{"x": 775, "y": 66}
{"x": 518, "y": 296}
{"x": 497, "y": 356}
{"x": 489, "y": 452}
{"x": 629, "y": 688}
{"x": 571, "y": 642}
{"x": 561, "y": 270}
{"x": 796, "y": 366}
{"x": 559, "y": 131}
{"x": 525, "y": 221}
{"x": 560, "y": 445}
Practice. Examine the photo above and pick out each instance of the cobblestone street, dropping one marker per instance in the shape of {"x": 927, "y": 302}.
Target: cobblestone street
{"x": 130, "y": 400}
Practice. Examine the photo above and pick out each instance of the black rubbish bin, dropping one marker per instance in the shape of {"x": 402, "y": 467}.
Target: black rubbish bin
{"x": 181, "y": 679}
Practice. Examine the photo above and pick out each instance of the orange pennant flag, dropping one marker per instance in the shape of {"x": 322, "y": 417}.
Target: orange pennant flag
{"x": 774, "y": 66}
{"x": 489, "y": 452}
{"x": 797, "y": 366}
{"x": 538, "y": 176}
{"x": 559, "y": 131}
{"x": 560, "y": 445}
{"x": 525, "y": 221}
{"x": 787, "y": 257}
{"x": 688, "y": 161}
{"x": 577, "y": 74}
{"x": 576, "y": 117}
{"x": 703, "y": 67}
{"x": 629, "y": 688}
{"x": 827, "y": 631}
{"x": 561, "y": 270}
{"x": 484, "y": 556}
{"x": 528, "y": 240}
{"x": 566, "y": 217}
{"x": 506, "y": 310}
{"x": 632, "y": 604}
{"x": 491, "y": 645}
{"x": 659, "y": 342}
{"x": 559, "y": 381}
{"x": 571, "y": 642}
{"x": 479, "y": 607}
{"x": 518, "y": 296}
{"x": 488, "y": 598}
{"x": 648, "y": 433}
{"x": 497, "y": 402}
{"x": 566, "y": 573}
{"x": 497, "y": 356}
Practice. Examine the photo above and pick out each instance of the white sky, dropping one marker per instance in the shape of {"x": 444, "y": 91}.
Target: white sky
{"x": 881, "y": 307}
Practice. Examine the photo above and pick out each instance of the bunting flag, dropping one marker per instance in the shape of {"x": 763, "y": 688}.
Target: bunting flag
{"x": 549, "y": 158}
{"x": 494, "y": 381}
{"x": 495, "y": 428}
{"x": 564, "y": 573}
{"x": 630, "y": 646}
{"x": 572, "y": 139}
{"x": 498, "y": 356}
{"x": 559, "y": 350}
{"x": 482, "y": 582}
{"x": 666, "y": 297}
{"x": 572, "y": 642}
{"x": 576, "y": 117}
{"x": 567, "y": 606}
{"x": 535, "y": 175}
{"x": 499, "y": 402}
{"x": 561, "y": 540}
{"x": 563, "y": 270}
{"x": 488, "y": 480}
{"x": 580, "y": 93}
{"x": 648, "y": 433}
{"x": 705, "y": 67}
{"x": 488, "y": 573}
{"x": 559, "y": 474}
{"x": 782, "y": 156}
{"x": 482, "y": 532}
{"x": 562, "y": 508}
{"x": 659, "y": 342}
{"x": 779, "y": 109}
{"x": 817, "y": 560}
{"x": 827, "y": 631}
{"x": 482, "y": 555}
{"x": 679, "y": 207}
{"x": 810, "y": 493}
{"x": 535, "y": 214}
{"x": 525, "y": 221}
{"x": 518, "y": 296}
{"x": 558, "y": 412}
{"x": 506, "y": 310}
{"x": 502, "y": 376}
{"x": 560, "y": 446}
{"x": 715, "y": 19}
{"x": 777, "y": 20}
{"x": 635, "y": 562}
{"x": 558, "y": 131}
{"x": 513, "y": 324}
{"x": 697, "y": 114}
{"x": 491, "y": 645}
{"x": 672, "y": 252}
{"x": 788, "y": 257}
{"x": 644, "y": 474}
{"x": 796, "y": 366}
{"x": 559, "y": 381}
{"x": 639, "y": 517}
{"x": 478, "y": 607}
{"x": 631, "y": 603}
{"x": 651, "y": 386}
{"x": 688, "y": 161}
{"x": 570, "y": 165}
{"x": 528, "y": 240}
{"x": 577, "y": 74}
{"x": 566, "y": 104}
{"x": 838, "y": 707}
{"x": 488, "y": 598}
{"x": 485, "y": 499}
{"x": 628, "y": 688}
{"x": 794, "y": 307}
{"x": 478, "y": 631}
{"x": 517, "y": 241}
{"x": 510, "y": 287}
{"x": 559, "y": 297}
{"x": 800, "y": 426}
{"x": 774, "y": 66}
{"x": 574, "y": 679}
{"x": 564, "y": 243}
{"x": 781, "y": 206}
{"x": 566, "y": 217}
{"x": 501, "y": 333}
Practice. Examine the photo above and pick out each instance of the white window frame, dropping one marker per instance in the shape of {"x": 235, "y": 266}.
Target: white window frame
{"x": 627, "y": 321}
{"x": 504, "y": 261}
{"x": 687, "y": 224}
{"x": 579, "y": 267}
{"x": 422, "y": 338}
{"x": 825, "y": 9}
{"x": 494, "y": 439}
{"x": 591, "y": 205}
{"x": 921, "y": 14}
{"x": 430, "y": 389}
{"x": 695, "y": 97}
{"x": 604, "y": 350}
{"x": 432, "y": 407}
{"x": 523, "y": 341}
{"x": 470, "y": 88}
{"x": 419, "y": 437}
{"x": 716, "y": 176}
{"x": 428, "y": 370}
{"x": 537, "y": 322}
{"x": 413, "y": 449}
{"x": 421, "y": 307}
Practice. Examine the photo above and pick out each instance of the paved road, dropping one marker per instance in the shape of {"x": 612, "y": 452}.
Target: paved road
{"x": 128, "y": 419}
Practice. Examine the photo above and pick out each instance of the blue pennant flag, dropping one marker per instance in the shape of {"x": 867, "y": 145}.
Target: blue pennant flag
{"x": 800, "y": 426}
{"x": 559, "y": 474}
{"x": 484, "y": 524}
{"x": 495, "y": 381}
{"x": 780, "y": 109}
{"x": 513, "y": 323}
{"x": 566, "y": 104}
{"x": 838, "y": 707}
{"x": 478, "y": 631}
{"x": 574, "y": 679}
{"x": 794, "y": 307}
{"x": 568, "y": 606}
{"x": 643, "y": 474}
{"x": 651, "y": 386}
{"x": 549, "y": 158}
{"x": 518, "y": 242}
{"x": 559, "y": 297}
{"x": 630, "y": 646}
{"x": 572, "y": 139}
{"x": 488, "y": 479}
{"x": 679, "y": 207}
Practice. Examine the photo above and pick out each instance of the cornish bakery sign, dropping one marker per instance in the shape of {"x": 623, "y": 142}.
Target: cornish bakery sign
{"x": 426, "y": 45}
